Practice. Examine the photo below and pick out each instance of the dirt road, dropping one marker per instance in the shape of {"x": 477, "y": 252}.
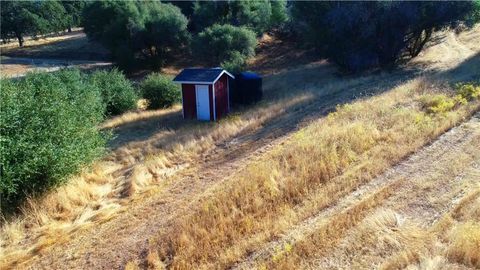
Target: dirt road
{"x": 14, "y": 67}
{"x": 432, "y": 182}
{"x": 124, "y": 237}
{"x": 145, "y": 217}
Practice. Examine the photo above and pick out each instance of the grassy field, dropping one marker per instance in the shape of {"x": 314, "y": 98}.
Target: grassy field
{"x": 271, "y": 185}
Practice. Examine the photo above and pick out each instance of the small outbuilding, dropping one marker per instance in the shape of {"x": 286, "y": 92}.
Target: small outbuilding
{"x": 205, "y": 93}
{"x": 248, "y": 88}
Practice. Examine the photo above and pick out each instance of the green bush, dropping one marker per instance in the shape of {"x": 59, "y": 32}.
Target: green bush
{"x": 225, "y": 44}
{"x": 257, "y": 15}
{"x": 236, "y": 63}
{"x": 118, "y": 93}
{"x": 468, "y": 91}
{"x": 439, "y": 103}
{"x": 160, "y": 91}
{"x": 49, "y": 130}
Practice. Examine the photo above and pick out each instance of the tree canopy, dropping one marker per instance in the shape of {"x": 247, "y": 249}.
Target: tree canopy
{"x": 225, "y": 44}
{"x": 259, "y": 16}
{"x": 22, "y": 18}
{"x": 132, "y": 31}
{"x": 361, "y": 35}
{"x": 74, "y": 11}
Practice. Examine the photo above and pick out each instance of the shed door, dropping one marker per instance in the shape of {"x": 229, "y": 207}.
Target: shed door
{"x": 203, "y": 102}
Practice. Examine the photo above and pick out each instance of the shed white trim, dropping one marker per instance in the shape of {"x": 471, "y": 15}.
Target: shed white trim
{"x": 223, "y": 72}
{"x": 214, "y": 104}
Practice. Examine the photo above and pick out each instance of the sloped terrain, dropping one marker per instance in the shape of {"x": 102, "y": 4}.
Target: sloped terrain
{"x": 162, "y": 170}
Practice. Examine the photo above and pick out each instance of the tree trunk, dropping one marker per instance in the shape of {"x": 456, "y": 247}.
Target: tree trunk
{"x": 20, "y": 40}
{"x": 420, "y": 39}
{"x": 69, "y": 29}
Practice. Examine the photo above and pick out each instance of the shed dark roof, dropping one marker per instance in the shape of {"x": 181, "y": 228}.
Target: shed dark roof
{"x": 207, "y": 75}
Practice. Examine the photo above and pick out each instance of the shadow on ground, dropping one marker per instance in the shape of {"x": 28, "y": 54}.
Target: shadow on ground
{"x": 323, "y": 89}
{"x": 77, "y": 47}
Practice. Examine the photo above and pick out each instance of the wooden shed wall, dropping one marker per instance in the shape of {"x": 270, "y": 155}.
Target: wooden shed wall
{"x": 221, "y": 96}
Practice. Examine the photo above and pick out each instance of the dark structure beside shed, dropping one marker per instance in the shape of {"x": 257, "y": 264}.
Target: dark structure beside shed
{"x": 205, "y": 93}
{"x": 248, "y": 88}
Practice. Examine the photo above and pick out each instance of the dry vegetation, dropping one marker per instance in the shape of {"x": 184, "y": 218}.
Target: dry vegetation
{"x": 318, "y": 165}
{"x": 306, "y": 172}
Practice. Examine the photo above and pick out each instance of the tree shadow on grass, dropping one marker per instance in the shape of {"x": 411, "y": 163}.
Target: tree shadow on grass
{"x": 468, "y": 70}
{"x": 77, "y": 47}
{"x": 319, "y": 85}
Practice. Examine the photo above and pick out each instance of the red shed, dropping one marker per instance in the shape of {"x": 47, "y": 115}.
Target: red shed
{"x": 205, "y": 93}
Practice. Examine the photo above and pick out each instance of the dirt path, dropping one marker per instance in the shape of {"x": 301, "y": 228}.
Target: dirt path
{"x": 15, "y": 67}
{"x": 125, "y": 238}
{"x": 427, "y": 176}
{"x": 111, "y": 244}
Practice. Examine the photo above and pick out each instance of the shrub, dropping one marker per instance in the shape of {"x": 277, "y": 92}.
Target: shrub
{"x": 258, "y": 15}
{"x": 118, "y": 93}
{"x": 160, "y": 91}
{"x": 48, "y": 131}
{"x": 468, "y": 91}
{"x": 236, "y": 63}
{"x": 438, "y": 103}
{"x": 225, "y": 43}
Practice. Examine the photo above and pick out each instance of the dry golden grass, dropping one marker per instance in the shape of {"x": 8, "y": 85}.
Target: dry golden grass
{"x": 356, "y": 142}
{"x": 38, "y": 41}
{"x": 329, "y": 235}
{"x": 465, "y": 244}
{"x": 316, "y": 166}
{"x": 100, "y": 192}
{"x": 451, "y": 243}
{"x": 400, "y": 230}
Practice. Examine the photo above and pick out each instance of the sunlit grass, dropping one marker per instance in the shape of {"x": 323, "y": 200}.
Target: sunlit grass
{"x": 356, "y": 142}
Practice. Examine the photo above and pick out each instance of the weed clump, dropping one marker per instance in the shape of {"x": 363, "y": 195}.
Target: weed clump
{"x": 465, "y": 246}
{"x": 439, "y": 103}
{"x": 468, "y": 91}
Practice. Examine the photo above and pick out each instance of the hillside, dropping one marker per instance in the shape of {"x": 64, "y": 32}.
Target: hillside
{"x": 328, "y": 171}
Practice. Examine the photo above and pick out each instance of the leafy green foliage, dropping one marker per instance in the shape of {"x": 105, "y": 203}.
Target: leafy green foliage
{"x": 21, "y": 18}
{"x": 118, "y": 93}
{"x": 74, "y": 11}
{"x": 236, "y": 63}
{"x": 362, "y": 35}
{"x": 49, "y": 130}
{"x": 160, "y": 91}
{"x": 474, "y": 16}
{"x": 258, "y": 16}
{"x": 468, "y": 91}
{"x": 279, "y": 13}
{"x": 439, "y": 103}
{"x": 55, "y": 16}
{"x": 226, "y": 44}
{"x": 136, "y": 30}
